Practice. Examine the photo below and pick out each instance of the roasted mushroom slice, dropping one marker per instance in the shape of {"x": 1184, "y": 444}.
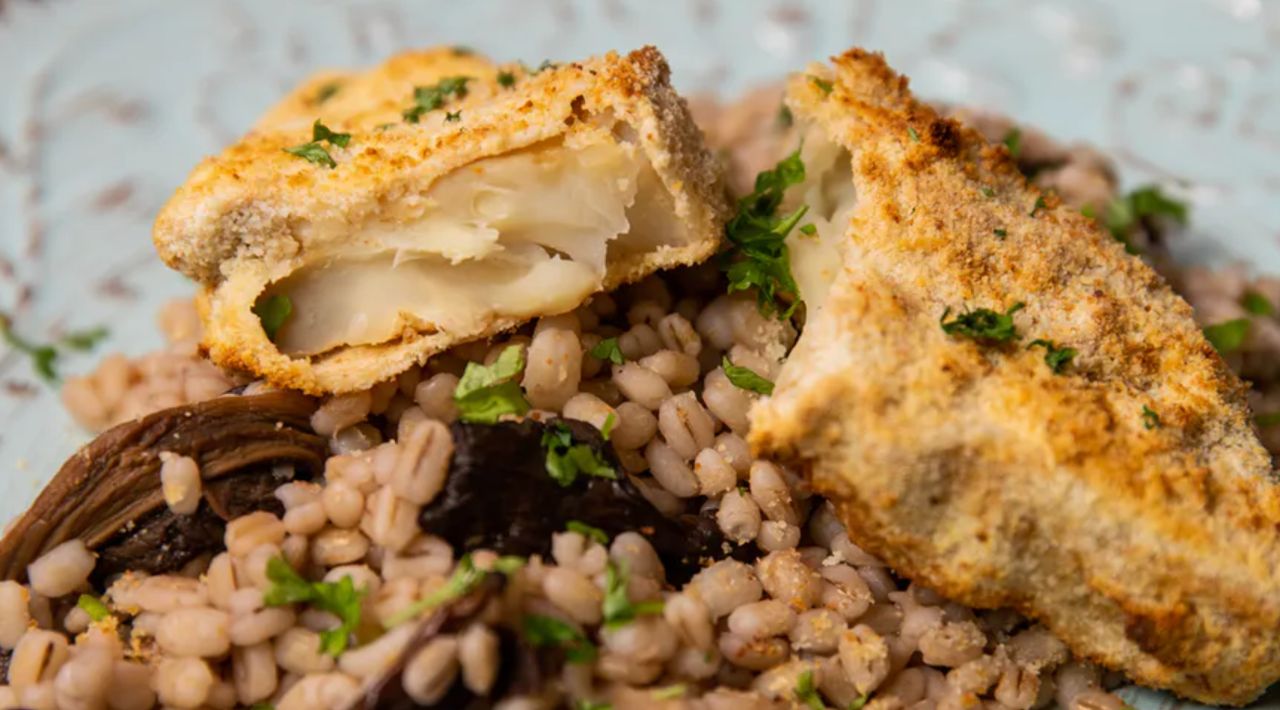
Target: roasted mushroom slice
{"x": 436, "y": 199}
{"x": 108, "y": 493}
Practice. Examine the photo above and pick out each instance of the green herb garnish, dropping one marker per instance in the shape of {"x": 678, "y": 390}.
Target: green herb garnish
{"x": 1268, "y": 419}
{"x": 608, "y": 349}
{"x": 93, "y": 606}
{"x": 808, "y": 230}
{"x": 1013, "y": 141}
{"x": 464, "y": 580}
{"x": 590, "y": 532}
{"x": 1227, "y": 336}
{"x": 618, "y": 608}
{"x": 543, "y": 631}
{"x": 1055, "y": 357}
{"x": 325, "y": 92}
{"x": 758, "y": 257}
{"x": 606, "y": 429}
{"x": 1000, "y": 232}
{"x": 1150, "y": 419}
{"x": 859, "y": 702}
{"x": 567, "y": 460}
{"x": 806, "y": 692}
{"x": 314, "y": 152}
{"x": 506, "y": 79}
{"x": 785, "y": 119}
{"x": 339, "y": 598}
{"x": 44, "y": 357}
{"x": 822, "y": 84}
{"x": 592, "y": 705}
{"x": 273, "y": 311}
{"x": 988, "y": 192}
{"x": 430, "y": 98}
{"x": 911, "y": 131}
{"x": 1039, "y": 205}
{"x": 1122, "y": 215}
{"x": 745, "y": 378}
{"x": 452, "y": 116}
{"x": 983, "y": 324}
{"x": 669, "y": 692}
{"x": 462, "y": 50}
{"x": 1257, "y": 304}
{"x": 485, "y": 393}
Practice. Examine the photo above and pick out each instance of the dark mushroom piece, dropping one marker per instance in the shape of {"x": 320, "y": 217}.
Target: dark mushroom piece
{"x": 499, "y": 496}
{"x": 108, "y": 493}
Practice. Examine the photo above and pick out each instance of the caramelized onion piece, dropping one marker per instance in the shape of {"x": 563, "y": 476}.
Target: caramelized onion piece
{"x": 108, "y": 493}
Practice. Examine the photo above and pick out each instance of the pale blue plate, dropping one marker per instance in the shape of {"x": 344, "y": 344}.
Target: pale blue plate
{"x": 105, "y": 106}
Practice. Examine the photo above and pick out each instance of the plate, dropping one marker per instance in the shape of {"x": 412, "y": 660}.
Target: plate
{"x": 106, "y": 106}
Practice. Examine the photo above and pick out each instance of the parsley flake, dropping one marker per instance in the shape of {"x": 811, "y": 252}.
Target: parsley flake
{"x": 567, "y": 460}
{"x": 44, "y": 357}
{"x": 1039, "y": 205}
{"x": 858, "y": 702}
{"x": 911, "y": 131}
{"x": 758, "y": 257}
{"x": 314, "y": 152}
{"x": 506, "y": 79}
{"x": 273, "y": 311}
{"x": 785, "y": 118}
{"x": 452, "y": 116}
{"x": 543, "y": 631}
{"x": 1227, "y": 336}
{"x": 592, "y": 705}
{"x": 464, "y": 580}
{"x": 618, "y": 609}
{"x": 326, "y": 92}
{"x": 1013, "y": 141}
{"x": 485, "y": 393}
{"x": 321, "y": 132}
{"x": 606, "y": 429}
{"x": 1123, "y": 215}
{"x": 1257, "y": 304}
{"x": 808, "y": 229}
{"x": 590, "y": 532}
{"x": 1150, "y": 419}
{"x": 430, "y": 98}
{"x": 983, "y": 324}
{"x": 93, "y": 606}
{"x": 339, "y": 598}
{"x": 745, "y": 378}
{"x": 462, "y": 50}
{"x": 821, "y": 83}
{"x": 545, "y": 65}
{"x": 1268, "y": 419}
{"x": 1055, "y": 357}
{"x": 608, "y": 349}
{"x": 807, "y": 692}
{"x": 669, "y": 692}
{"x": 988, "y": 192}
{"x": 1000, "y": 232}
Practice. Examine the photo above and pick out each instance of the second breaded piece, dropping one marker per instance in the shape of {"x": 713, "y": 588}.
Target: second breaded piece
{"x": 1123, "y": 500}
{"x": 468, "y": 198}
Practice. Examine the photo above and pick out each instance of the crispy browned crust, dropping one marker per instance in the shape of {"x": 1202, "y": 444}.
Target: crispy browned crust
{"x": 977, "y": 471}
{"x": 244, "y": 212}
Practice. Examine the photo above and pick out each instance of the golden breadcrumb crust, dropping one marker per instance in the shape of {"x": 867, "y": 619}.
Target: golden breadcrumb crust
{"x": 243, "y": 213}
{"x": 1148, "y": 545}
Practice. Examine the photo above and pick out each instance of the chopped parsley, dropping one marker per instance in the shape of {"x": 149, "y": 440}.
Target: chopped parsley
{"x": 785, "y": 119}
{"x": 326, "y": 92}
{"x": 452, "y": 116}
{"x": 758, "y": 257}
{"x": 1227, "y": 336}
{"x": 745, "y": 378}
{"x": 1039, "y": 205}
{"x": 545, "y": 65}
{"x": 911, "y": 131}
{"x": 618, "y": 609}
{"x": 1055, "y": 357}
{"x": 462, "y": 50}
{"x": 983, "y": 324}
{"x": 606, "y": 429}
{"x": 608, "y": 349}
{"x": 859, "y": 702}
{"x": 1000, "y": 232}
{"x": 822, "y": 84}
{"x": 1124, "y": 214}
{"x": 314, "y": 152}
{"x": 273, "y": 311}
{"x": 543, "y": 631}
{"x": 1013, "y": 141}
{"x": 44, "y": 358}
{"x": 340, "y": 598}
{"x": 808, "y": 230}
{"x": 1150, "y": 419}
{"x": 485, "y": 393}
{"x": 806, "y": 692}
{"x": 1268, "y": 419}
{"x": 93, "y": 606}
{"x": 430, "y": 98}
{"x": 567, "y": 460}
{"x": 506, "y": 79}
{"x": 590, "y": 532}
{"x": 592, "y": 705}
{"x": 669, "y": 692}
{"x": 1257, "y": 304}
{"x": 464, "y": 580}
{"x": 988, "y": 192}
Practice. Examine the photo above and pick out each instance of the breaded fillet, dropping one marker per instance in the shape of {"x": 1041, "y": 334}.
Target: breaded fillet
{"x": 1125, "y": 502}
{"x": 506, "y": 194}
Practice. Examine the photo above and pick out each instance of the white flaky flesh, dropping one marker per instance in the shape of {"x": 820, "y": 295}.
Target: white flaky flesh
{"x": 523, "y": 234}
{"x": 828, "y": 191}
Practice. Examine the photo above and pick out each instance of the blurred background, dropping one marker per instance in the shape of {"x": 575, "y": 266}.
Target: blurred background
{"x": 105, "y": 105}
